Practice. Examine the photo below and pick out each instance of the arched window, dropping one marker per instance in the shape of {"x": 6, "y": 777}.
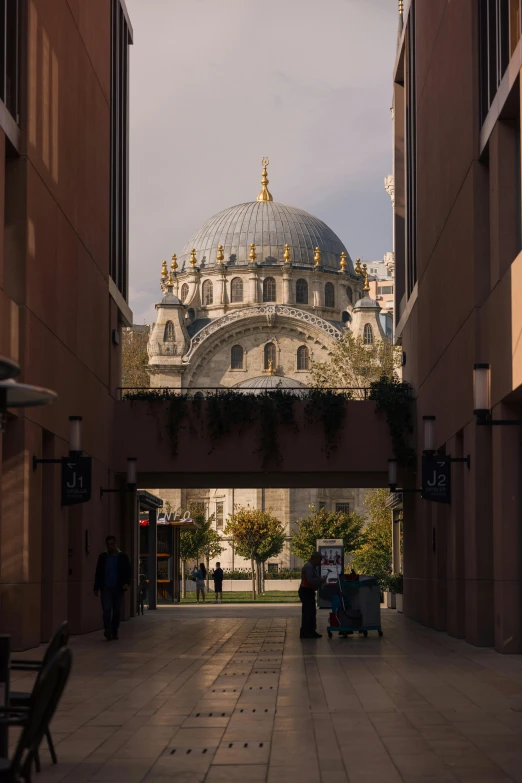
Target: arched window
{"x": 301, "y": 292}
{"x": 184, "y": 291}
{"x": 346, "y": 317}
{"x": 329, "y": 295}
{"x": 303, "y": 358}
{"x": 236, "y": 290}
{"x": 208, "y": 293}
{"x": 270, "y": 356}
{"x": 368, "y": 335}
{"x": 168, "y": 334}
{"x": 349, "y": 293}
{"x": 269, "y": 289}
{"x": 236, "y": 357}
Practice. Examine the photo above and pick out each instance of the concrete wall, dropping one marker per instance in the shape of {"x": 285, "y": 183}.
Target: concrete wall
{"x": 463, "y": 561}
{"x": 56, "y": 317}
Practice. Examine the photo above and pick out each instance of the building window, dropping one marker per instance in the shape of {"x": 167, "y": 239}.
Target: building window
{"x": 236, "y": 290}
{"x": 119, "y": 182}
{"x": 499, "y": 36}
{"x": 236, "y": 357}
{"x": 322, "y": 504}
{"x": 269, "y": 289}
{"x": 273, "y": 568}
{"x": 169, "y": 333}
{"x": 270, "y": 356}
{"x": 184, "y": 292}
{"x": 219, "y": 515}
{"x": 208, "y": 293}
{"x": 342, "y": 507}
{"x": 368, "y": 335}
{"x": 411, "y": 154}
{"x": 303, "y": 358}
{"x": 301, "y": 292}
{"x": 10, "y": 55}
{"x": 329, "y": 295}
{"x": 385, "y": 289}
{"x": 349, "y": 294}
{"x": 346, "y": 317}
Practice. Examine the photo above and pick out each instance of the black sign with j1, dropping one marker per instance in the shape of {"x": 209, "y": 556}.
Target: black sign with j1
{"x": 76, "y": 480}
{"x": 436, "y": 478}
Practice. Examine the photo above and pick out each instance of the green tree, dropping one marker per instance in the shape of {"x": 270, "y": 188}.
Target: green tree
{"x": 326, "y": 524}
{"x": 202, "y": 542}
{"x": 352, "y": 364}
{"x": 257, "y": 536}
{"x": 134, "y": 357}
{"x": 374, "y": 556}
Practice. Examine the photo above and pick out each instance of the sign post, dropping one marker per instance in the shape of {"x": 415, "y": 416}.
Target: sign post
{"x": 436, "y": 478}
{"x": 76, "y": 480}
{"x": 332, "y": 563}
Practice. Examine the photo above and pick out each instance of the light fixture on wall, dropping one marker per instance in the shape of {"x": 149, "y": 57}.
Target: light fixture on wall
{"x": 19, "y": 395}
{"x": 482, "y": 398}
{"x": 429, "y": 434}
{"x": 75, "y": 444}
{"x": 131, "y": 479}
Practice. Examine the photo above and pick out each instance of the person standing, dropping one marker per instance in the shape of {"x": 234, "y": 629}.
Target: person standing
{"x": 310, "y": 582}
{"x": 200, "y": 574}
{"x": 112, "y": 579}
{"x": 218, "y": 583}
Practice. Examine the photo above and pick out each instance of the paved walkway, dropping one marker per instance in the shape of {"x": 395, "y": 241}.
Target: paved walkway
{"x": 222, "y": 694}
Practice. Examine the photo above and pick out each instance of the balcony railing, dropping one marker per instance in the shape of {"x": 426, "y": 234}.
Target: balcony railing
{"x": 146, "y": 393}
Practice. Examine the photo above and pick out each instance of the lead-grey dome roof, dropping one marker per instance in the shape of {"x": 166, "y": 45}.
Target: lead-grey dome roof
{"x": 269, "y": 225}
{"x": 367, "y": 303}
{"x": 264, "y": 382}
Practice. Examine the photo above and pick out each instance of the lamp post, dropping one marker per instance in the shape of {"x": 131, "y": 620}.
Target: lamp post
{"x": 482, "y": 399}
{"x": 131, "y": 479}
{"x": 75, "y": 444}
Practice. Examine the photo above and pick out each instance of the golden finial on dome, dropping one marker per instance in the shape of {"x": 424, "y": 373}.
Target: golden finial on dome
{"x": 265, "y": 194}
{"x": 270, "y": 367}
{"x": 220, "y": 256}
{"x": 193, "y": 260}
{"x": 286, "y": 254}
{"x": 164, "y": 272}
{"x": 401, "y": 7}
{"x": 174, "y": 264}
{"x": 343, "y": 261}
{"x": 317, "y": 257}
{"x": 252, "y": 255}
{"x": 170, "y": 281}
{"x": 365, "y": 275}
{"x": 358, "y": 270}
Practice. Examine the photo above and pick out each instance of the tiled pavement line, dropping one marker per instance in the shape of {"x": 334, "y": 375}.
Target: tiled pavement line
{"x": 392, "y": 729}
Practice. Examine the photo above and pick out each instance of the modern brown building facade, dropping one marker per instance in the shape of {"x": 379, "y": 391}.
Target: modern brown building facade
{"x": 63, "y": 296}
{"x": 457, "y": 94}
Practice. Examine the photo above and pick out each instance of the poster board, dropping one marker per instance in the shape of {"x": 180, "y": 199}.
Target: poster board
{"x": 332, "y": 563}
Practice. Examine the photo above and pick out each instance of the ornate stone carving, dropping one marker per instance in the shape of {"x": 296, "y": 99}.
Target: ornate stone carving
{"x": 269, "y": 311}
{"x": 389, "y": 186}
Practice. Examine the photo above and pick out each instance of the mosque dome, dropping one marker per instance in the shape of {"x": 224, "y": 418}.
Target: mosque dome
{"x": 269, "y": 225}
{"x": 367, "y": 303}
{"x": 265, "y": 382}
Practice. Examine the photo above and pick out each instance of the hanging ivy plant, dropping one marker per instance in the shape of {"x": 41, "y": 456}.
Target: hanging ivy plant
{"x": 395, "y": 398}
{"x": 329, "y": 408}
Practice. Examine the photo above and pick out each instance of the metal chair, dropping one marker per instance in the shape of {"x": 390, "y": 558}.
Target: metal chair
{"x": 21, "y": 698}
{"x": 34, "y": 718}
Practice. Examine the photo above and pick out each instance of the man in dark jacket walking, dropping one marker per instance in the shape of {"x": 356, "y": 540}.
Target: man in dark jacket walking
{"x": 112, "y": 579}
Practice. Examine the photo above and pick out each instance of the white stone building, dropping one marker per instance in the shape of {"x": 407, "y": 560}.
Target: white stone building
{"x": 260, "y": 292}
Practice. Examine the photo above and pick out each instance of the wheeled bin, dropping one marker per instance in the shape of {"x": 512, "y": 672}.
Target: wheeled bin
{"x": 356, "y": 607}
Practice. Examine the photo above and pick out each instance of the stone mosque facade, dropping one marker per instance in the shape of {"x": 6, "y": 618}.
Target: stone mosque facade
{"x": 258, "y": 293}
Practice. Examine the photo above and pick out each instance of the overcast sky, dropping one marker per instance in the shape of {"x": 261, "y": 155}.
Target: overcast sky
{"x": 217, "y": 84}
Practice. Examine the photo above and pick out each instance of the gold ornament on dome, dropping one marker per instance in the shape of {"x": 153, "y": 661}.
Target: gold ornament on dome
{"x": 358, "y": 270}
{"x": 265, "y": 194}
{"x": 174, "y": 264}
{"x": 252, "y": 255}
{"x": 270, "y": 367}
{"x": 164, "y": 272}
{"x": 401, "y": 7}
{"x": 286, "y": 254}
{"x": 366, "y": 283}
{"x": 220, "y": 256}
{"x": 343, "y": 261}
{"x": 170, "y": 281}
{"x": 317, "y": 257}
{"x": 193, "y": 260}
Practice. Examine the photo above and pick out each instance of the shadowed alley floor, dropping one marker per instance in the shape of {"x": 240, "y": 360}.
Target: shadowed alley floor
{"x": 230, "y": 693}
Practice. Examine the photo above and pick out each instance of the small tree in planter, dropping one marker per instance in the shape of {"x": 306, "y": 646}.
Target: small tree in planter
{"x": 257, "y": 536}
{"x": 394, "y": 585}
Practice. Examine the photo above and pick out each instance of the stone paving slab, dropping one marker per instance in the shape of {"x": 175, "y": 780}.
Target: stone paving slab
{"x": 219, "y": 694}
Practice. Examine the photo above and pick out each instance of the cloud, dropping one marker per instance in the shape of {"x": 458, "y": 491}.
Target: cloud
{"x": 216, "y": 84}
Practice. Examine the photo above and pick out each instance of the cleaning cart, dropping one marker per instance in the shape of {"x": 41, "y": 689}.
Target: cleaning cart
{"x": 356, "y": 607}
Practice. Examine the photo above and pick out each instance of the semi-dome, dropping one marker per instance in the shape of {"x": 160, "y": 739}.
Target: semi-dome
{"x": 264, "y": 382}
{"x": 269, "y": 225}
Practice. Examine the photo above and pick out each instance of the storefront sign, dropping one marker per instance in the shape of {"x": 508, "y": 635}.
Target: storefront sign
{"x": 436, "y": 478}
{"x": 76, "y": 480}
